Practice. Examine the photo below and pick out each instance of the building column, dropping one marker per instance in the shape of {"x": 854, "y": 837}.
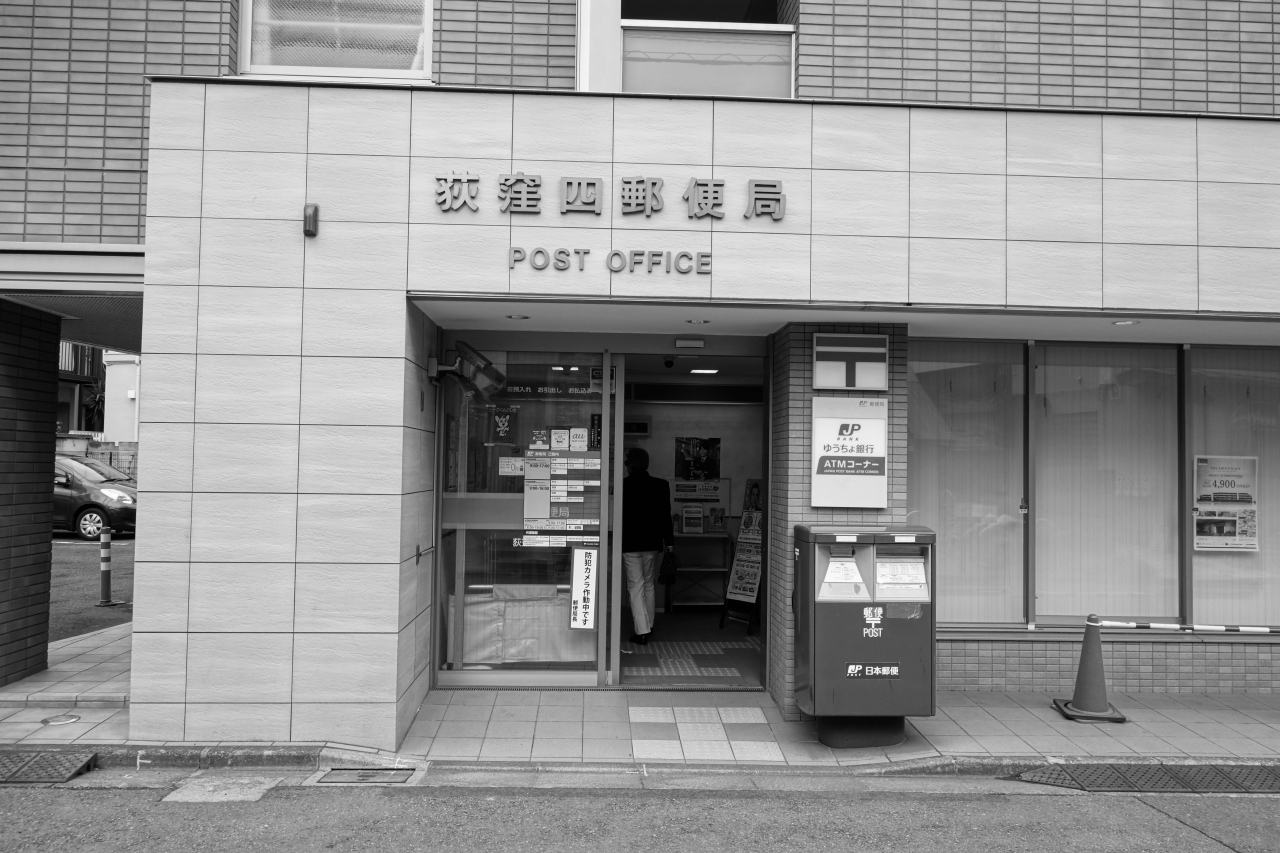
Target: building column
{"x": 28, "y": 423}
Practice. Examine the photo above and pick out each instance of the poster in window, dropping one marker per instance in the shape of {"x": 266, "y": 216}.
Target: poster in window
{"x": 1226, "y": 503}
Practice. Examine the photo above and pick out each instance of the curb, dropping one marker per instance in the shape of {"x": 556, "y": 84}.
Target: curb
{"x": 319, "y": 757}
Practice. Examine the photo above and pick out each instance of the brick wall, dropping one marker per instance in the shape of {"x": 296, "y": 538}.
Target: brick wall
{"x": 792, "y": 391}
{"x": 1195, "y": 55}
{"x": 505, "y": 43}
{"x": 1131, "y": 666}
{"x": 28, "y": 414}
{"x": 74, "y": 103}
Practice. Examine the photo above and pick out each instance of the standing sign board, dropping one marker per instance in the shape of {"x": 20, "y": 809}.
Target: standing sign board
{"x": 744, "y": 577}
{"x": 1226, "y": 509}
{"x": 582, "y": 596}
{"x": 850, "y": 452}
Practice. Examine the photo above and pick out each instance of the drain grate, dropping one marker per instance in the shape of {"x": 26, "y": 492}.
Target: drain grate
{"x": 1158, "y": 778}
{"x": 1206, "y": 779}
{"x": 1153, "y": 777}
{"x": 370, "y": 775}
{"x": 44, "y": 766}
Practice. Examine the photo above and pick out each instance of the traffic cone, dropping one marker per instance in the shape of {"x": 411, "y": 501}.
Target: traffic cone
{"x": 1090, "y": 700}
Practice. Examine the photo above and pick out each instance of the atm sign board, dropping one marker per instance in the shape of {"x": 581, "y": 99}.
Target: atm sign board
{"x": 850, "y": 452}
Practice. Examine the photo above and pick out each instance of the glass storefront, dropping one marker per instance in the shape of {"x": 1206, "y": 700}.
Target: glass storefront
{"x": 523, "y": 458}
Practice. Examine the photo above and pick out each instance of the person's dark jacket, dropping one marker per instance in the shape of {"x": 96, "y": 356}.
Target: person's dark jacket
{"x": 646, "y": 513}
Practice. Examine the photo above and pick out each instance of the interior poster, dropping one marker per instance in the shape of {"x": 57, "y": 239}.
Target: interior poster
{"x": 697, "y": 458}
{"x": 1226, "y": 510}
{"x": 850, "y": 452}
{"x": 744, "y": 576}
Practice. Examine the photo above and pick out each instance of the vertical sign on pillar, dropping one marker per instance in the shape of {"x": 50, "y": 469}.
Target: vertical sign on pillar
{"x": 850, "y": 452}
{"x": 582, "y": 595}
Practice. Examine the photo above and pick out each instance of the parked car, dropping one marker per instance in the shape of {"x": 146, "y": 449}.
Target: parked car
{"x": 89, "y": 495}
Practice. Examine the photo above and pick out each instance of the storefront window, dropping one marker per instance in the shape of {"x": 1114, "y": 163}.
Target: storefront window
{"x": 965, "y": 452}
{"x": 521, "y": 498}
{"x": 702, "y": 61}
{"x": 1234, "y": 408}
{"x": 1106, "y": 482}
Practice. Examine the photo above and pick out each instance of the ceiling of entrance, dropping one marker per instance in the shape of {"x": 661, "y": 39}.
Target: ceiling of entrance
{"x": 674, "y": 318}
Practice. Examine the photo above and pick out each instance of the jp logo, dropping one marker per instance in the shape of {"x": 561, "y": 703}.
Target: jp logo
{"x": 849, "y": 429}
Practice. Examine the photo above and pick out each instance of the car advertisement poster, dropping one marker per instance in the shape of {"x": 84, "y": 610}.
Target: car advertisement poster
{"x": 850, "y": 450}
{"x": 1226, "y": 503}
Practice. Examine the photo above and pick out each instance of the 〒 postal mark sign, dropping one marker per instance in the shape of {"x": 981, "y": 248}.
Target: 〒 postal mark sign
{"x": 850, "y": 452}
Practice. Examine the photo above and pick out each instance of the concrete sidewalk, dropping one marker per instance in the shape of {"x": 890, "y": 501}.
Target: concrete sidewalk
{"x": 88, "y": 678}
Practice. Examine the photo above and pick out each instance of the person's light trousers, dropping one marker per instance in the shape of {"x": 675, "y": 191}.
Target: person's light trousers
{"x": 642, "y": 571}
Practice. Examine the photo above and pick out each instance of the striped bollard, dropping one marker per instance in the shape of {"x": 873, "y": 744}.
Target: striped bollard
{"x": 104, "y": 573}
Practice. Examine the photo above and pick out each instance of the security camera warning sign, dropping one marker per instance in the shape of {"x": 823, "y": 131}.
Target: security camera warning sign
{"x": 872, "y": 670}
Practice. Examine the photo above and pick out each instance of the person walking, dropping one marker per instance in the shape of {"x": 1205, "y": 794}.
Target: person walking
{"x": 646, "y": 533}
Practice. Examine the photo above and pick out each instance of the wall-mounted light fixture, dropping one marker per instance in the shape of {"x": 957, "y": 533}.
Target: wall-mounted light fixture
{"x": 310, "y": 220}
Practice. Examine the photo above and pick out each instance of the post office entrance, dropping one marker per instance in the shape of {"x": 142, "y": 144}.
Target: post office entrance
{"x": 535, "y": 433}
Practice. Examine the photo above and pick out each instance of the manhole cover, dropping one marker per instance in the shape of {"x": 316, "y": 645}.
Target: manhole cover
{"x": 46, "y": 766}
{"x": 1158, "y": 778}
{"x": 60, "y": 720}
{"x": 372, "y": 775}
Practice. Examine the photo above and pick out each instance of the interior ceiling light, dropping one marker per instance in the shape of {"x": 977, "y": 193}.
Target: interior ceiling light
{"x": 517, "y": 316}
{"x": 1126, "y": 322}
{"x": 698, "y": 322}
{"x": 704, "y": 370}
{"x": 557, "y": 368}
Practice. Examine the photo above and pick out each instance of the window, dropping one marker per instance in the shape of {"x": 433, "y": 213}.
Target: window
{"x": 1233, "y": 401}
{"x": 1106, "y": 514}
{"x": 702, "y": 59}
{"x": 388, "y": 37}
{"x": 965, "y": 451}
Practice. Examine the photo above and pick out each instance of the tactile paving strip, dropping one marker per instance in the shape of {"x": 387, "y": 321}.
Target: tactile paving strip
{"x": 1159, "y": 778}
{"x": 50, "y": 766}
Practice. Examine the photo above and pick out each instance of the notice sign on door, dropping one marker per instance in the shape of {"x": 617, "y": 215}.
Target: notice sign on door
{"x": 582, "y": 595}
{"x": 1226, "y": 508}
{"x": 850, "y": 451}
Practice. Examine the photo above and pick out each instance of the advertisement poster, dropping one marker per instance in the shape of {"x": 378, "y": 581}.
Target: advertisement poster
{"x": 744, "y": 576}
{"x": 582, "y": 596}
{"x": 697, "y": 458}
{"x": 850, "y": 450}
{"x": 1226, "y": 509}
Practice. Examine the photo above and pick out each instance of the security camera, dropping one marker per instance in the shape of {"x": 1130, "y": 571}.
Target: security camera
{"x": 668, "y": 362}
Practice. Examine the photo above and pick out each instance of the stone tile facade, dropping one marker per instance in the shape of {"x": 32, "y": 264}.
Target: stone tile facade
{"x": 28, "y": 420}
{"x": 792, "y": 393}
{"x": 1132, "y": 666}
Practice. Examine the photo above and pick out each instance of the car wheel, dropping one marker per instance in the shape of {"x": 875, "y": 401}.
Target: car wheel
{"x": 89, "y": 523}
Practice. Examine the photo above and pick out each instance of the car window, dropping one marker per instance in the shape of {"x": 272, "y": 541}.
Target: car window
{"x": 92, "y": 470}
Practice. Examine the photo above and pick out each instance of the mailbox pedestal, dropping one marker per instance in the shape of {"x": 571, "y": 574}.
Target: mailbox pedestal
{"x": 865, "y": 630}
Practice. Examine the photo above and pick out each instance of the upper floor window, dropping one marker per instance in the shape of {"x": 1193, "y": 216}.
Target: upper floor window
{"x": 706, "y": 47}
{"x": 386, "y": 38}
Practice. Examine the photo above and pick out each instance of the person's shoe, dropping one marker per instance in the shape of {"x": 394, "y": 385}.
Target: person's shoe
{"x": 640, "y": 639}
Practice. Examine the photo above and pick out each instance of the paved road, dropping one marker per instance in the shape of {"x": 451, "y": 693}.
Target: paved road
{"x": 75, "y": 583}
{"x": 899, "y": 816}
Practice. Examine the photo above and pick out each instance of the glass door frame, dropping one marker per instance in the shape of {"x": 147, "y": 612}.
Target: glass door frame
{"x": 606, "y": 671}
